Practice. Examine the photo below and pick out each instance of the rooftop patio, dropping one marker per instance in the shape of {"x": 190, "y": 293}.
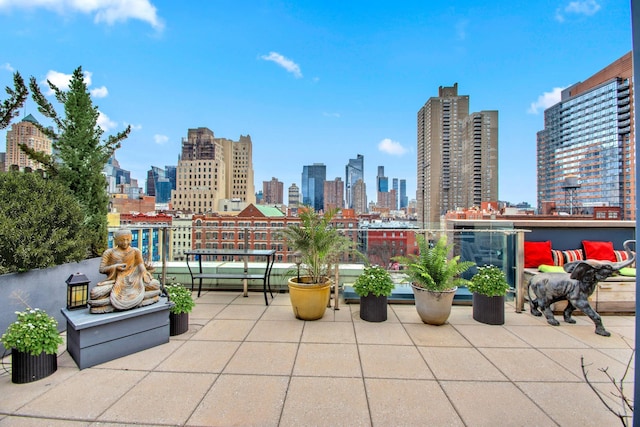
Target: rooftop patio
{"x": 244, "y": 363}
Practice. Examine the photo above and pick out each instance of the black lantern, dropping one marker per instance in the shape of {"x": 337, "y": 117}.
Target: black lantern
{"x": 297, "y": 259}
{"x": 77, "y": 291}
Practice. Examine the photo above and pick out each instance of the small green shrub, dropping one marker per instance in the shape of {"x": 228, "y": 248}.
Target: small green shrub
{"x": 33, "y": 332}
{"x": 41, "y": 224}
{"x": 490, "y": 281}
{"x": 374, "y": 280}
{"x": 181, "y": 298}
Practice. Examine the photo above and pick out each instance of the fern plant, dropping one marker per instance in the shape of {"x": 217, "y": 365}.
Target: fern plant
{"x": 432, "y": 268}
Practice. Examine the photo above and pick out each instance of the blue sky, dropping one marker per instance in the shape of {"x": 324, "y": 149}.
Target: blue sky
{"x": 313, "y": 81}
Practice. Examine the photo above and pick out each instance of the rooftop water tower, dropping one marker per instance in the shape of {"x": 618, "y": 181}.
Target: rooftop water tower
{"x": 570, "y": 185}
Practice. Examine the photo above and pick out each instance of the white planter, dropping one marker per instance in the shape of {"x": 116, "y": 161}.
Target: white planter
{"x": 433, "y": 308}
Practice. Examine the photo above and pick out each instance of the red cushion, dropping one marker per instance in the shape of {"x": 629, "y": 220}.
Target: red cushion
{"x": 602, "y": 251}
{"x": 537, "y": 253}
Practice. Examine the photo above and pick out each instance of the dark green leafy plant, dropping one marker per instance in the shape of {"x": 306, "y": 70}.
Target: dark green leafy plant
{"x": 490, "y": 281}
{"x": 40, "y": 223}
{"x": 432, "y": 268}
{"x": 374, "y": 280}
{"x": 181, "y": 298}
{"x": 33, "y": 332}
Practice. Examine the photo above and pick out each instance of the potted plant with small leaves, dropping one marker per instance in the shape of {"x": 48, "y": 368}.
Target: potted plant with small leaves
{"x": 489, "y": 286}
{"x": 373, "y": 286}
{"x": 33, "y": 339}
{"x": 179, "y": 311}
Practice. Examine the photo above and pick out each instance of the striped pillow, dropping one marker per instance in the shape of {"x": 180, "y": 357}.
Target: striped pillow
{"x": 623, "y": 256}
{"x": 558, "y": 258}
{"x": 573, "y": 255}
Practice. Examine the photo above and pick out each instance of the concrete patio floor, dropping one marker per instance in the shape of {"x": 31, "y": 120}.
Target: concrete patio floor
{"x": 243, "y": 363}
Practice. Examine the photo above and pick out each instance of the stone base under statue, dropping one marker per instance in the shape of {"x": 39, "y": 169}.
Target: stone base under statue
{"x": 97, "y": 338}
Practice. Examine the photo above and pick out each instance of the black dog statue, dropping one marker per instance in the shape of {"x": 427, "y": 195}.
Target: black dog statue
{"x": 575, "y": 286}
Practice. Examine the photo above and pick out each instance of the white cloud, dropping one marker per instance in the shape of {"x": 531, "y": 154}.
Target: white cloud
{"x": 6, "y": 65}
{"x": 99, "y": 92}
{"x": 546, "y": 100}
{"x": 160, "y": 139}
{"x": 285, "y": 63}
{"x": 105, "y": 122}
{"x": 461, "y": 29}
{"x": 391, "y": 147}
{"x": 108, "y": 11}
{"x": 578, "y": 7}
{"x": 134, "y": 127}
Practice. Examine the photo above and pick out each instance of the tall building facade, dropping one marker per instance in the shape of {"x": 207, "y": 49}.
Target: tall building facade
{"x": 313, "y": 178}
{"x": 396, "y": 188}
{"x": 25, "y": 132}
{"x": 272, "y": 192}
{"x": 445, "y": 151}
{"x": 586, "y": 152}
{"x": 160, "y": 183}
{"x": 333, "y": 194}
{"x": 404, "y": 200}
{"x": 360, "y": 205}
{"x": 294, "y": 196}
{"x": 354, "y": 171}
{"x": 211, "y": 170}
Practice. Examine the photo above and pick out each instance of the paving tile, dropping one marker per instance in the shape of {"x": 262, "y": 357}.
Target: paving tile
{"x": 401, "y": 402}
{"x": 439, "y": 336}
{"x": 30, "y": 422}
{"x": 545, "y": 336}
{"x": 242, "y": 312}
{"x": 15, "y": 396}
{"x": 162, "y": 398}
{"x": 200, "y": 356}
{"x": 276, "y": 330}
{"x": 594, "y": 361}
{"x": 490, "y": 336}
{"x": 569, "y": 404}
{"x": 381, "y": 333}
{"x": 216, "y": 297}
{"x": 464, "y": 364}
{"x": 252, "y": 298}
{"x": 85, "y": 395}
{"x": 206, "y": 311}
{"x": 390, "y": 361}
{"x": 325, "y": 401}
{"x": 246, "y": 400}
{"x": 144, "y": 360}
{"x": 461, "y": 315}
{"x": 523, "y": 364}
{"x": 406, "y": 313}
{"x": 586, "y": 334}
{"x": 494, "y": 403}
{"x": 225, "y": 330}
{"x": 279, "y": 312}
{"x": 622, "y": 355}
{"x": 327, "y": 360}
{"x": 263, "y": 358}
{"x": 329, "y": 332}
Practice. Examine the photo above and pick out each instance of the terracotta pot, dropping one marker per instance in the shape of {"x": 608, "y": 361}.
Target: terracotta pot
{"x": 308, "y": 300}
{"x": 489, "y": 310}
{"x": 26, "y": 368}
{"x": 373, "y": 308}
{"x": 178, "y": 323}
{"x": 433, "y": 307}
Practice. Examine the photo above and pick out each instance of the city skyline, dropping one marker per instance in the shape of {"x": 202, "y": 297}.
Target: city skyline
{"x": 314, "y": 83}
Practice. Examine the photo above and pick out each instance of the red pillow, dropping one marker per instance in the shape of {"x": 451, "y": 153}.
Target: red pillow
{"x": 537, "y": 253}
{"x": 602, "y": 251}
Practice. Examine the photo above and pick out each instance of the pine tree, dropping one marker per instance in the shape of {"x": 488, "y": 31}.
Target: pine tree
{"x": 17, "y": 96}
{"x": 80, "y": 153}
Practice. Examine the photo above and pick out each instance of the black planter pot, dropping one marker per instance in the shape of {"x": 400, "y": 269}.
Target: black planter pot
{"x": 178, "y": 323}
{"x": 373, "y": 308}
{"x": 26, "y": 368}
{"x": 489, "y": 310}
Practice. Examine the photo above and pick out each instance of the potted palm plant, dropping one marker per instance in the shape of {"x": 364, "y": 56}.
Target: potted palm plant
{"x": 489, "y": 286}
{"x": 33, "y": 339}
{"x": 319, "y": 246}
{"x": 179, "y": 311}
{"x": 435, "y": 277}
{"x": 373, "y": 286}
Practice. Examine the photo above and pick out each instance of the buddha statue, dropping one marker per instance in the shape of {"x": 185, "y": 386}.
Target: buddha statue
{"x": 129, "y": 284}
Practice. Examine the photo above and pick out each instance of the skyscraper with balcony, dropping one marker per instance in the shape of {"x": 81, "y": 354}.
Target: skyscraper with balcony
{"x": 353, "y": 172}
{"x": 313, "y": 178}
{"x": 457, "y": 163}
{"x": 25, "y": 132}
{"x": 586, "y": 152}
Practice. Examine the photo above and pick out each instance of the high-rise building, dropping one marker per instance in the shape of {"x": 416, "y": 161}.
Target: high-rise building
{"x": 160, "y": 183}
{"x": 404, "y": 200}
{"x": 313, "y": 178}
{"x": 445, "y": 152}
{"x": 272, "y": 192}
{"x": 333, "y": 194}
{"x": 396, "y": 188}
{"x": 382, "y": 182}
{"x": 211, "y": 170}
{"x": 586, "y": 152}
{"x": 294, "y": 196}
{"x": 353, "y": 172}
{"x": 360, "y": 197}
{"x": 25, "y": 132}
